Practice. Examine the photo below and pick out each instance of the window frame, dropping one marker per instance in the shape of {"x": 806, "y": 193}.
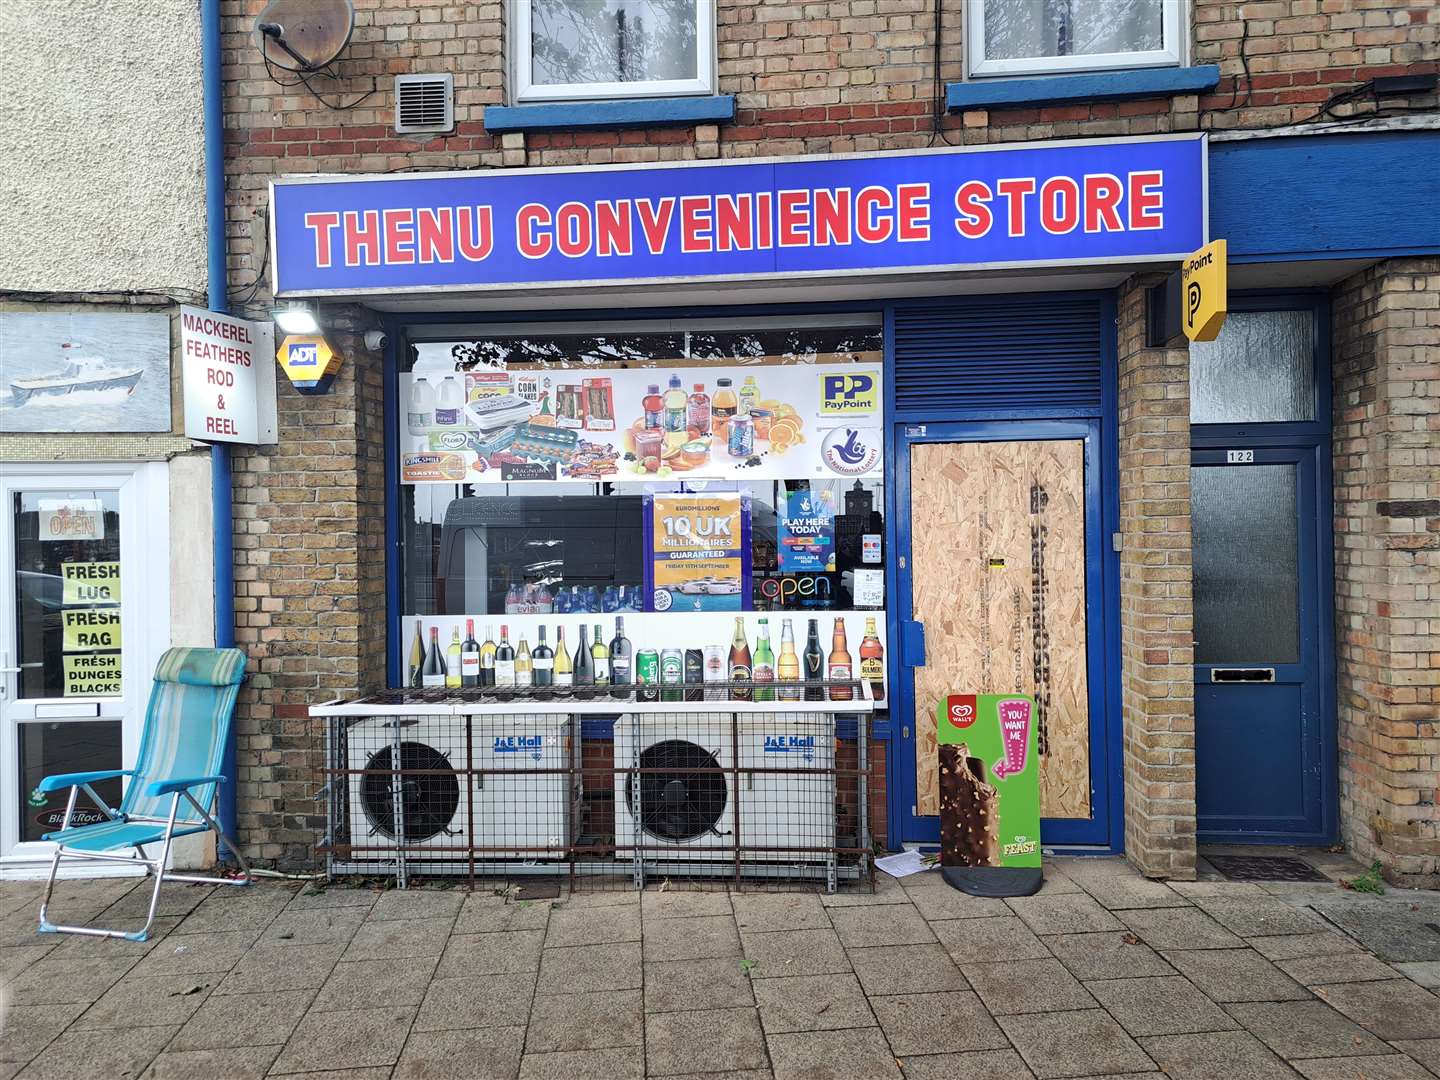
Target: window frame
{"x": 527, "y": 91}
{"x": 1174, "y": 22}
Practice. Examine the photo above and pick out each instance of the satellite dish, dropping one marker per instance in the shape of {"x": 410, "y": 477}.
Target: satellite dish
{"x": 304, "y": 35}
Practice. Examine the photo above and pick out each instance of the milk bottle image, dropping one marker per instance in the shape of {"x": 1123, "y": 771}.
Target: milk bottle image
{"x": 450, "y": 404}
{"x": 420, "y": 416}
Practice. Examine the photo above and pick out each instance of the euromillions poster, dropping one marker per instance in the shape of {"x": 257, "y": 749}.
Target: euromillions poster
{"x": 807, "y": 533}
{"x": 989, "y": 781}
{"x": 698, "y": 552}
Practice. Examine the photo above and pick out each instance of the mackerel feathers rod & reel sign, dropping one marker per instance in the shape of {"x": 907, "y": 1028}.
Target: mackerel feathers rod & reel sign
{"x": 1134, "y": 200}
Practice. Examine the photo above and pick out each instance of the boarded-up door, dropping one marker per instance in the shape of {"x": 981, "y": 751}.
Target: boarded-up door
{"x": 998, "y": 578}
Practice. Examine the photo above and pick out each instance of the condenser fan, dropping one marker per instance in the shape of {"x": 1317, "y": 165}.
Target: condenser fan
{"x": 427, "y": 801}
{"x": 678, "y": 802}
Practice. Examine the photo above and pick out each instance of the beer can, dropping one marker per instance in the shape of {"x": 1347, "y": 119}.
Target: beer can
{"x": 714, "y": 671}
{"x": 647, "y": 674}
{"x": 694, "y": 674}
{"x": 672, "y": 673}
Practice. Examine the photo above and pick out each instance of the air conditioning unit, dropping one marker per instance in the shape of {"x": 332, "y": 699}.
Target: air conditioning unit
{"x": 672, "y": 805}
{"x": 518, "y": 813}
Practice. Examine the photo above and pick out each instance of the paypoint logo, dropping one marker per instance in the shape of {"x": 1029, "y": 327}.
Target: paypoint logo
{"x": 854, "y": 394}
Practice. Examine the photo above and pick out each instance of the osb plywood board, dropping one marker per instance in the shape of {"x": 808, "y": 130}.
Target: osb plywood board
{"x": 998, "y": 578}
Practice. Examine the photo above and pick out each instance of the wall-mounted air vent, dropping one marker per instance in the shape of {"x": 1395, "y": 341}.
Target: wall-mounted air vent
{"x": 424, "y": 103}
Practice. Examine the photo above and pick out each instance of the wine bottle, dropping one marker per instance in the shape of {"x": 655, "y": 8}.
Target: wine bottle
{"x": 452, "y": 660}
{"x": 564, "y": 672}
{"x": 417, "y": 657}
{"x": 763, "y": 670}
{"x": 543, "y": 662}
{"x": 487, "y": 658}
{"x": 739, "y": 661}
{"x": 469, "y": 656}
{"x": 524, "y": 665}
{"x": 813, "y": 663}
{"x": 600, "y": 656}
{"x": 840, "y": 669}
{"x": 622, "y": 666}
{"x": 584, "y": 661}
{"x": 504, "y": 659}
{"x": 787, "y": 669}
{"x": 432, "y": 674}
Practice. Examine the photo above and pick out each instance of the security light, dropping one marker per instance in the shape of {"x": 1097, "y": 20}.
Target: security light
{"x": 296, "y": 319}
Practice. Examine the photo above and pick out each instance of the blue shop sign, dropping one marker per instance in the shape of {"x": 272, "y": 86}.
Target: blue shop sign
{"x": 1041, "y": 204}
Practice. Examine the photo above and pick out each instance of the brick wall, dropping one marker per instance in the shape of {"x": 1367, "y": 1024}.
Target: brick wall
{"x": 1387, "y": 564}
{"x": 1156, "y": 619}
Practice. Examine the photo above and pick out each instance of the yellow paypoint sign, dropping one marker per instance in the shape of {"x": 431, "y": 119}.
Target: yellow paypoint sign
{"x": 309, "y": 361}
{"x": 1203, "y": 291}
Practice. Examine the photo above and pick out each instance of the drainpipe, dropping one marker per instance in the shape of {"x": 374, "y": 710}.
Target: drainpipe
{"x": 220, "y": 484}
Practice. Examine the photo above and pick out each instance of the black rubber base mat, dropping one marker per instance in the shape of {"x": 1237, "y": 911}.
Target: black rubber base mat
{"x": 1264, "y": 868}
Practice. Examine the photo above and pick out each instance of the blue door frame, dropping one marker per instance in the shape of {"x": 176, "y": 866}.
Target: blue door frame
{"x": 1102, "y": 830}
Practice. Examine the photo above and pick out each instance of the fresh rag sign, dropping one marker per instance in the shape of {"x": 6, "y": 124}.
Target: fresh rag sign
{"x": 1127, "y": 200}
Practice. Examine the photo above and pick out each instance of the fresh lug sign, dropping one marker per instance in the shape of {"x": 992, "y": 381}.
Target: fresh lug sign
{"x": 1041, "y": 204}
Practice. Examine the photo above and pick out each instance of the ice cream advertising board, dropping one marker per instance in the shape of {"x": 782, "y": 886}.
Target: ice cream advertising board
{"x": 699, "y": 552}
{"x": 489, "y": 425}
{"x": 989, "y": 793}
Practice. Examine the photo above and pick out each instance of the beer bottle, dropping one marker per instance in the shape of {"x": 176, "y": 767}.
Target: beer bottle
{"x": 764, "y": 669}
{"x": 839, "y": 664}
{"x": 872, "y": 661}
{"x": 813, "y": 663}
{"x": 787, "y": 670}
{"x": 739, "y": 661}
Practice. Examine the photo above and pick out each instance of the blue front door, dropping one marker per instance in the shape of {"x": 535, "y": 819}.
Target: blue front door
{"x": 1263, "y": 748}
{"x": 1001, "y": 577}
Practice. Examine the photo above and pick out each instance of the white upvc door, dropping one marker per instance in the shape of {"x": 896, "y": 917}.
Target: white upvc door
{"x": 84, "y": 617}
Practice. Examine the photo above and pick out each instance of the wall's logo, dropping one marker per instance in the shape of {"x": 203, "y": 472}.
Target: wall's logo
{"x": 960, "y": 709}
{"x": 851, "y": 451}
{"x": 855, "y": 394}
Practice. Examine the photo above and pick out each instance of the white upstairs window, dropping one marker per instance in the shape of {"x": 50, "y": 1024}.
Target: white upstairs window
{"x": 1033, "y": 37}
{"x": 595, "y": 49}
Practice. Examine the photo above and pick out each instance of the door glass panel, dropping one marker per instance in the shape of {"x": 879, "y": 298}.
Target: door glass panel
{"x": 1260, "y": 369}
{"x": 67, "y": 593}
{"x": 47, "y": 749}
{"x": 1246, "y": 552}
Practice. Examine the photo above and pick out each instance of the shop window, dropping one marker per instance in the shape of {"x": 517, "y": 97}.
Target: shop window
{"x": 592, "y": 49}
{"x": 1029, "y": 37}
{"x": 1260, "y": 369}
{"x": 672, "y": 478}
{"x": 49, "y": 749}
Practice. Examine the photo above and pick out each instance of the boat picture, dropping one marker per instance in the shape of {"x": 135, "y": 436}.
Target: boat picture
{"x": 85, "y": 373}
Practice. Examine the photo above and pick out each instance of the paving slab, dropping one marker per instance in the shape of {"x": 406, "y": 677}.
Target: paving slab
{"x": 812, "y": 1003}
{"x": 1425, "y": 972}
{"x": 482, "y": 914}
{"x": 1235, "y": 975}
{"x": 943, "y": 1023}
{"x": 1425, "y": 1051}
{"x": 592, "y": 926}
{"x": 281, "y": 967}
{"x": 1084, "y": 1043}
{"x": 795, "y": 952}
{"x": 237, "y": 909}
{"x": 700, "y": 938}
{"x": 1179, "y": 928}
{"x": 231, "y": 1063}
{"x": 360, "y": 1038}
{"x": 833, "y": 1055}
{"x": 1379, "y": 1067}
{"x": 585, "y": 968}
{"x": 1299, "y": 946}
{"x": 1394, "y": 1009}
{"x": 493, "y": 1053}
{"x": 771, "y": 912}
{"x": 399, "y": 940}
{"x": 134, "y": 906}
{"x": 979, "y": 1065}
{"x": 618, "y": 1063}
{"x": 28, "y": 1029}
{"x": 1235, "y": 1056}
{"x": 887, "y": 891}
{"x": 490, "y": 954}
{"x": 1021, "y": 986}
{"x": 503, "y": 1000}
{"x": 862, "y": 927}
{"x": 231, "y": 1020}
{"x": 16, "y": 958}
{"x": 1063, "y": 913}
{"x": 371, "y": 984}
{"x": 1387, "y": 928}
{"x": 595, "y": 1021}
{"x": 134, "y": 1000}
{"x": 314, "y": 926}
{"x": 1347, "y": 967}
{"x": 905, "y": 969}
{"x": 1259, "y": 916}
{"x": 77, "y": 947}
{"x": 333, "y": 896}
{"x": 979, "y": 941}
{"x": 680, "y": 904}
{"x": 1305, "y": 1029}
{"x": 1160, "y": 1006}
{"x": 102, "y": 1053}
{"x": 948, "y": 903}
{"x": 1116, "y": 885}
{"x": 59, "y": 982}
{"x": 714, "y": 1040}
{"x": 1118, "y": 955}
{"x": 695, "y": 985}
{"x": 418, "y": 904}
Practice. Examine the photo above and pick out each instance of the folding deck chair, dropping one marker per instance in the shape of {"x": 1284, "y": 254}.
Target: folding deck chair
{"x": 187, "y": 725}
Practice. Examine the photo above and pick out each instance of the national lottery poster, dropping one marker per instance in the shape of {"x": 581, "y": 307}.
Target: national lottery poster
{"x": 489, "y": 425}
{"x": 698, "y": 552}
{"x": 807, "y": 533}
